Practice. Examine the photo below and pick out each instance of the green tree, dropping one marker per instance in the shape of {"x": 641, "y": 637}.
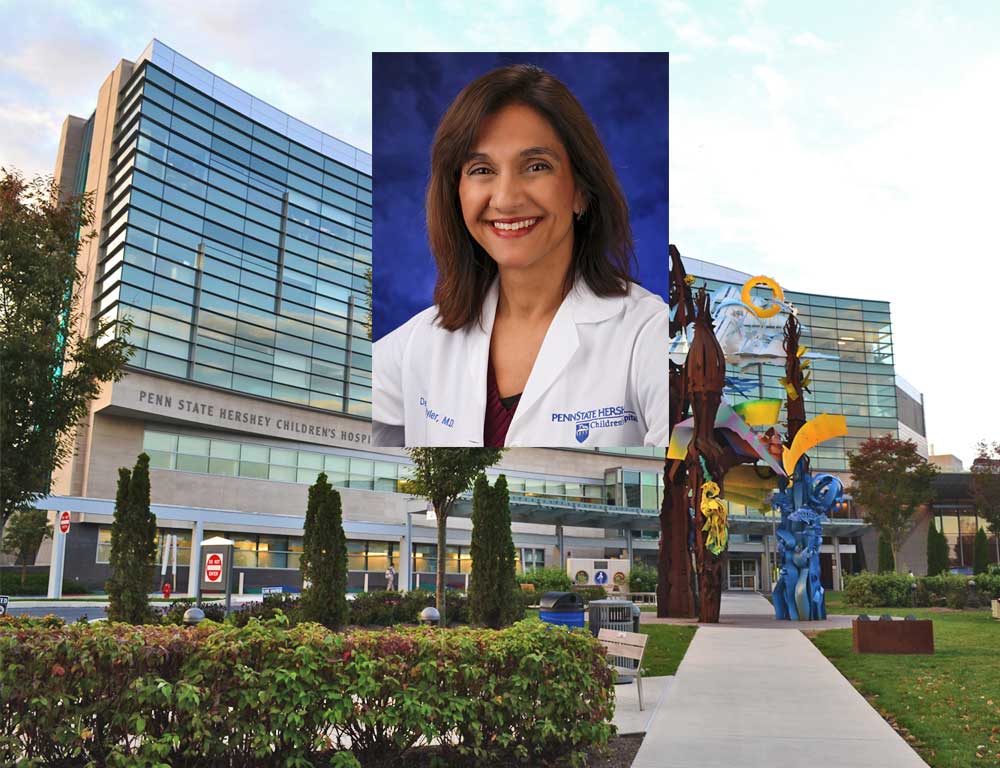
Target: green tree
{"x": 324, "y": 557}
{"x": 49, "y": 371}
{"x": 24, "y": 534}
{"x": 937, "y": 551}
{"x": 494, "y": 594}
{"x": 891, "y": 480}
{"x": 986, "y": 484}
{"x": 441, "y": 475}
{"x": 133, "y": 547}
{"x": 980, "y": 553}
{"x": 886, "y": 560}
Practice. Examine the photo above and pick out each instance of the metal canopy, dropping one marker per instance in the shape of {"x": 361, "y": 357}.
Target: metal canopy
{"x": 535, "y": 509}
{"x": 763, "y": 526}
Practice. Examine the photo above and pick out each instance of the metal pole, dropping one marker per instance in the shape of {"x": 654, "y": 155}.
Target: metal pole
{"x": 58, "y": 561}
{"x": 628, "y": 546}
{"x": 409, "y": 551}
{"x": 229, "y": 580}
{"x": 173, "y": 581}
{"x": 194, "y": 567}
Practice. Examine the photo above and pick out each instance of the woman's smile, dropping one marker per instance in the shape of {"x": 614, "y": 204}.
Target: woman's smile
{"x": 518, "y": 193}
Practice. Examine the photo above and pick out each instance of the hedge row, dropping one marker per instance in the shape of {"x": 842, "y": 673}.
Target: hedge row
{"x": 270, "y": 694}
{"x": 895, "y": 590}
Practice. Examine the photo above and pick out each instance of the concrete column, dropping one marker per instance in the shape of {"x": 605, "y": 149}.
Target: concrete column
{"x": 837, "y": 581}
{"x": 194, "y": 570}
{"x": 403, "y": 577}
{"x": 628, "y": 546}
{"x": 408, "y": 548}
{"x": 58, "y": 561}
{"x": 561, "y": 545}
{"x": 765, "y": 579}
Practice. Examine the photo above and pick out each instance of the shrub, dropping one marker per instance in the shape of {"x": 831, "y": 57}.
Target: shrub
{"x": 886, "y": 562}
{"x": 36, "y": 584}
{"x": 642, "y": 578}
{"x": 385, "y": 609}
{"x": 547, "y": 580}
{"x": 269, "y": 694}
{"x": 133, "y": 547}
{"x": 980, "y": 553}
{"x": 937, "y": 551}
{"x": 890, "y": 590}
{"x": 324, "y": 557}
{"x": 174, "y": 612}
{"x": 266, "y": 609}
{"x": 591, "y": 593}
{"x": 492, "y": 583}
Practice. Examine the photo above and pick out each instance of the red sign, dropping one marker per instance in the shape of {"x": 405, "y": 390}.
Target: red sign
{"x": 64, "y": 522}
{"x": 213, "y": 567}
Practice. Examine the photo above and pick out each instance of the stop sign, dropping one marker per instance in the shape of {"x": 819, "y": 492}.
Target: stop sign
{"x": 64, "y": 522}
{"x": 213, "y": 567}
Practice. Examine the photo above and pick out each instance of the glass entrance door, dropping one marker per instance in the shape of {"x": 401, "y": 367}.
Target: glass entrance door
{"x": 743, "y": 575}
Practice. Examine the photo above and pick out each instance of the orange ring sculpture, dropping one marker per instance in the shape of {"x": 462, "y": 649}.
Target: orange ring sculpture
{"x": 767, "y": 282}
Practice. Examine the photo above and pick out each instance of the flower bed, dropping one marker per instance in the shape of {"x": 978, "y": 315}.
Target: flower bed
{"x": 270, "y": 694}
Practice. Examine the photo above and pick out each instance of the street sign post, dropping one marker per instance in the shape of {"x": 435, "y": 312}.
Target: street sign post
{"x": 3, "y": 604}
{"x": 216, "y": 572}
{"x": 64, "y": 521}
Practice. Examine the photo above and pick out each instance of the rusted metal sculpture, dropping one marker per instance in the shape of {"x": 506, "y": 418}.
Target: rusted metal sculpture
{"x": 675, "y": 595}
{"x": 705, "y": 374}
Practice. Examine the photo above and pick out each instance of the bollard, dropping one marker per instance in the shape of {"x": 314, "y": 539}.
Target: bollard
{"x": 192, "y": 616}
{"x": 430, "y": 616}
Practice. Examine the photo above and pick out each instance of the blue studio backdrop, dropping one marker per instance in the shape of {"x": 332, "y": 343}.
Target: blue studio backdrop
{"x": 626, "y": 96}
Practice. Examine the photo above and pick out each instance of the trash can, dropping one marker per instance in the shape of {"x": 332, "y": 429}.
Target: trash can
{"x": 564, "y": 608}
{"x": 613, "y": 614}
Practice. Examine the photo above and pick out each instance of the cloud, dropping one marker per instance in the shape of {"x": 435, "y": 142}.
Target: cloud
{"x": 810, "y": 41}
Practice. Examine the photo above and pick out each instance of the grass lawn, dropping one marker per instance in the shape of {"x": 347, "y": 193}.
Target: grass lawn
{"x": 946, "y": 705}
{"x": 665, "y": 648}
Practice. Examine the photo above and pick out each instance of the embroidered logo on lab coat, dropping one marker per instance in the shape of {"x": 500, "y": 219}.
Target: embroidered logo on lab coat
{"x": 596, "y": 418}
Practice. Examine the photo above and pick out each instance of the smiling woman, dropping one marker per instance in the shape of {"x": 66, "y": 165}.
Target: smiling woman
{"x": 538, "y": 336}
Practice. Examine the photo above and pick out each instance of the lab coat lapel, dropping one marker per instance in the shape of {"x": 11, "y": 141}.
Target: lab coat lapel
{"x": 471, "y": 400}
{"x": 558, "y": 347}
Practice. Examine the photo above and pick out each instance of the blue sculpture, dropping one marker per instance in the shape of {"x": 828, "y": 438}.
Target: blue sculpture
{"x": 804, "y": 503}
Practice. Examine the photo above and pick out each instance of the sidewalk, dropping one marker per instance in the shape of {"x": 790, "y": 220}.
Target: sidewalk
{"x": 749, "y": 696}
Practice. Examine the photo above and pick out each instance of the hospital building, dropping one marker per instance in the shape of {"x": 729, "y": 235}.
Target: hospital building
{"x": 237, "y": 239}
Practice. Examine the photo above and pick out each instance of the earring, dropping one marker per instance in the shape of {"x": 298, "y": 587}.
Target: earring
{"x": 579, "y": 215}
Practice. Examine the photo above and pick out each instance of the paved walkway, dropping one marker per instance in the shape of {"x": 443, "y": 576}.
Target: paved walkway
{"x": 628, "y": 718}
{"x": 749, "y": 696}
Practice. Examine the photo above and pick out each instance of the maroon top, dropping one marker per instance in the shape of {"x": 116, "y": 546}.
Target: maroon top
{"x": 499, "y": 412}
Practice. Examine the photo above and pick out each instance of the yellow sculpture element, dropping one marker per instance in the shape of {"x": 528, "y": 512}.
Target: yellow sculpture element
{"x": 767, "y": 282}
{"x": 759, "y": 413}
{"x": 824, "y": 427}
{"x": 689, "y": 279}
{"x": 716, "y": 523}
{"x": 745, "y": 486}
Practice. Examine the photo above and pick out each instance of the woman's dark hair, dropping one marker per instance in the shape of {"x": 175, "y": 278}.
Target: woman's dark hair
{"x": 602, "y": 239}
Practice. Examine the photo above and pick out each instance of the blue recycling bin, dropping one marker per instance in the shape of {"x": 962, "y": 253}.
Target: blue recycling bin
{"x": 562, "y": 608}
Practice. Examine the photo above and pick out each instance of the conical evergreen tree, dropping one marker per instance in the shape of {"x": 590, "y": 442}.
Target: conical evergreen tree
{"x": 937, "y": 551}
{"x": 980, "y": 553}
{"x": 324, "y": 558}
{"x": 886, "y": 562}
{"x": 133, "y": 547}
{"x": 493, "y": 598}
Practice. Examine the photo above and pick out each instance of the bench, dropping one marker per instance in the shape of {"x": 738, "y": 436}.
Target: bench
{"x": 622, "y": 648}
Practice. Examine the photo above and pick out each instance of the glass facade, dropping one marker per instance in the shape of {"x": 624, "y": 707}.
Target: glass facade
{"x": 242, "y": 257}
{"x": 959, "y": 525}
{"x": 860, "y": 383}
{"x": 234, "y": 458}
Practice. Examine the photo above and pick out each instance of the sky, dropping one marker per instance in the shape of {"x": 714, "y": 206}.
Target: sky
{"x": 631, "y": 121}
{"x": 849, "y": 149}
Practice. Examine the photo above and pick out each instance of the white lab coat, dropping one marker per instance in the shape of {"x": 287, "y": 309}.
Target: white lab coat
{"x": 600, "y": 378}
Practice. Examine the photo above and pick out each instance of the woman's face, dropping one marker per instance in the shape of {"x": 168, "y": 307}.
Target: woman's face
{"x": 517, "y": 190}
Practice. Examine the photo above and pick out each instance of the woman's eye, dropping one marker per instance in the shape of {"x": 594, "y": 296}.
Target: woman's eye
{"x": 480, "y": 170}
{"x": 539, "y": 166}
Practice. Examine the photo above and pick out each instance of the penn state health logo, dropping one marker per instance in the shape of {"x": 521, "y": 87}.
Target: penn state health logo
{"x": 596, "y": 418}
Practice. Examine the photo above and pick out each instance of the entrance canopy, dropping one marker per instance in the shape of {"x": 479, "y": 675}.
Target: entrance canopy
{"x": 536, "y": 509}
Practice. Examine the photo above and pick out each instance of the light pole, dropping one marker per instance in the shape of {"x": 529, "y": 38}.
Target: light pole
{"x": 428, "y": 510}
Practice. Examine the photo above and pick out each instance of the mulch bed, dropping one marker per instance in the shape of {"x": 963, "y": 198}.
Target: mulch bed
{"x": 620, "y": 754}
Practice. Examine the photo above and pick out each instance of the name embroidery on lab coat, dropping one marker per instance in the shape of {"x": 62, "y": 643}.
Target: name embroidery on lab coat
{"x": 597, "y": 418}
{"x": 434, "y": 416}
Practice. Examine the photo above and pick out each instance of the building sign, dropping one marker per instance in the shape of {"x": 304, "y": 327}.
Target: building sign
{"x": 3, "y": 604}
{"x": 64, "y": 521}
{"x": 213, "y": 568}
{"x": 263, "y": 418}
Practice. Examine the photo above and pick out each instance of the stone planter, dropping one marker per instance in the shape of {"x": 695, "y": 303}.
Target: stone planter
{"x": 996, "y": 608}
{"x": 893, "y": 636}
